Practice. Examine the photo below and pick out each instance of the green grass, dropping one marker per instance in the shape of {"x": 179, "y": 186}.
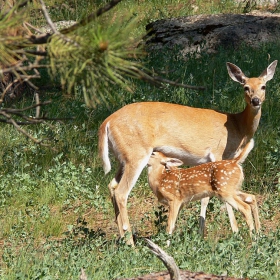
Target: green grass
{"x": 55, "y": 211}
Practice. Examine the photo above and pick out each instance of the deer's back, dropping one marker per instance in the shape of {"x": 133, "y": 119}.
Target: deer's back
{"x": 187, "y": 133}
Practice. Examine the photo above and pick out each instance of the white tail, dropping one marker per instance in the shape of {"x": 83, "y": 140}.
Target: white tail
{"x": 192, "y": 135}
{"x": 175, "y": 186}
{"x": 104, "y": 152}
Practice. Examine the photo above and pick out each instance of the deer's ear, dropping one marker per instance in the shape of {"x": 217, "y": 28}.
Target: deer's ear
{"x": 171, "y": 162}
{"x": 268, "y": 73}
{"x": 236, "y": 73}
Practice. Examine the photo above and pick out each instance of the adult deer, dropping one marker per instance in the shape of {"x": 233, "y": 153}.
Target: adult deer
{"x": 175, "y": 186}
{"x": 192, "y": 135}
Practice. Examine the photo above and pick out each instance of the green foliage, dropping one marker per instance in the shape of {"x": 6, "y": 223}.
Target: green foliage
{"x": 11, "y": 36}
{"x": 94, "y": 59}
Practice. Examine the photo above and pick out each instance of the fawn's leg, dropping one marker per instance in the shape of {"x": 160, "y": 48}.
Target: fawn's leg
{"x": 251, "y": 200}
{"x": 174, "y": 208}
{"x": 236, "y": 202}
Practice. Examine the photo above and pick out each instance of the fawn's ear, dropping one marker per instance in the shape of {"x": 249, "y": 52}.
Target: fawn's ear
{"x": 171, "y": 162}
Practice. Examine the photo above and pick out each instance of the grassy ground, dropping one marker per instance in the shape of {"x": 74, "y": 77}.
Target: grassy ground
{"x": 55, "y": 212}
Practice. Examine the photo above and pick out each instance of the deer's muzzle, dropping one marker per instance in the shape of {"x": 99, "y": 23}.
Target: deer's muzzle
{"x": 256, "y": 101}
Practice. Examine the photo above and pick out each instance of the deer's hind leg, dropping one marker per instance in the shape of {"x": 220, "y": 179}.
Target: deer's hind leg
{"x": 112, "y": 187}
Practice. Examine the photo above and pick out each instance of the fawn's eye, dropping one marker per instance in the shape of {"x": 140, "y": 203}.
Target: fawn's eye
{"x": 263, "y": 88}
{"x": 246, "y": 88}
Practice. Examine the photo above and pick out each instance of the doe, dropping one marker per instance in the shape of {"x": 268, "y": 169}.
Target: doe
{"x": 175, "y": 186}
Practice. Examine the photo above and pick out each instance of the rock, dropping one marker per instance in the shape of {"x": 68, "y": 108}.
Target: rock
{"x": 210, "y": 32}
{"x": 58, "y": 25}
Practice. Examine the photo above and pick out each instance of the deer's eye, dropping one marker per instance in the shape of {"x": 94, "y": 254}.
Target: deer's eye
{"x": 246, "y": 88}
{"x": 263, "y": 88}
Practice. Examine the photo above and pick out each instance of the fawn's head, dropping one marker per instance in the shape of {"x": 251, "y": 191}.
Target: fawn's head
{"x": 254, "y": 88}
{"x": 158, "y": 159}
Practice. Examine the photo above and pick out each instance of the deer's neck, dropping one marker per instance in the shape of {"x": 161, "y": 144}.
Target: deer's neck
{"x": 248, "y": 121}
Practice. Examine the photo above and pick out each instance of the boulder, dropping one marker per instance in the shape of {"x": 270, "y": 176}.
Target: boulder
{"x": 211, "y": 32}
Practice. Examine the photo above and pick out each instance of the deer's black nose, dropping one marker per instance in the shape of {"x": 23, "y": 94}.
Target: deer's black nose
{"x": 256, "y": 101}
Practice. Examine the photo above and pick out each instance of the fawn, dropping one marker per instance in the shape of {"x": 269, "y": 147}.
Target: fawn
{"x": 175, "y": 186}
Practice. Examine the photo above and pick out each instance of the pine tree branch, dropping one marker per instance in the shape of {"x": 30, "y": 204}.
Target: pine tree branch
{"x": 63, "y": 47}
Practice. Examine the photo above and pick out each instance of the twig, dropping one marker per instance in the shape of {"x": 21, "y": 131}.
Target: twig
{"x": 91, "y": 17}
{"x": 51, "y": 24}
{"x": 7, "y": 112}
{"x": 17, "y": 68}
{"x": 5, "y": 91}
{"x": 24, "y": 132}
{"x": 40, "y": 40}
{"x": 163, "y": 80}
{"x": 158, "y": 81}
{"x": 38, "y": 108}
{"x": 166, "y": 259}
{"x": 13, "y": 111}
{"x": 32, "y": 52}
{"x": 47, "y": 17}
{"x": 16, "y": 65}
{"x": 27, "y": 25}
{"x": 21, "y": 78}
